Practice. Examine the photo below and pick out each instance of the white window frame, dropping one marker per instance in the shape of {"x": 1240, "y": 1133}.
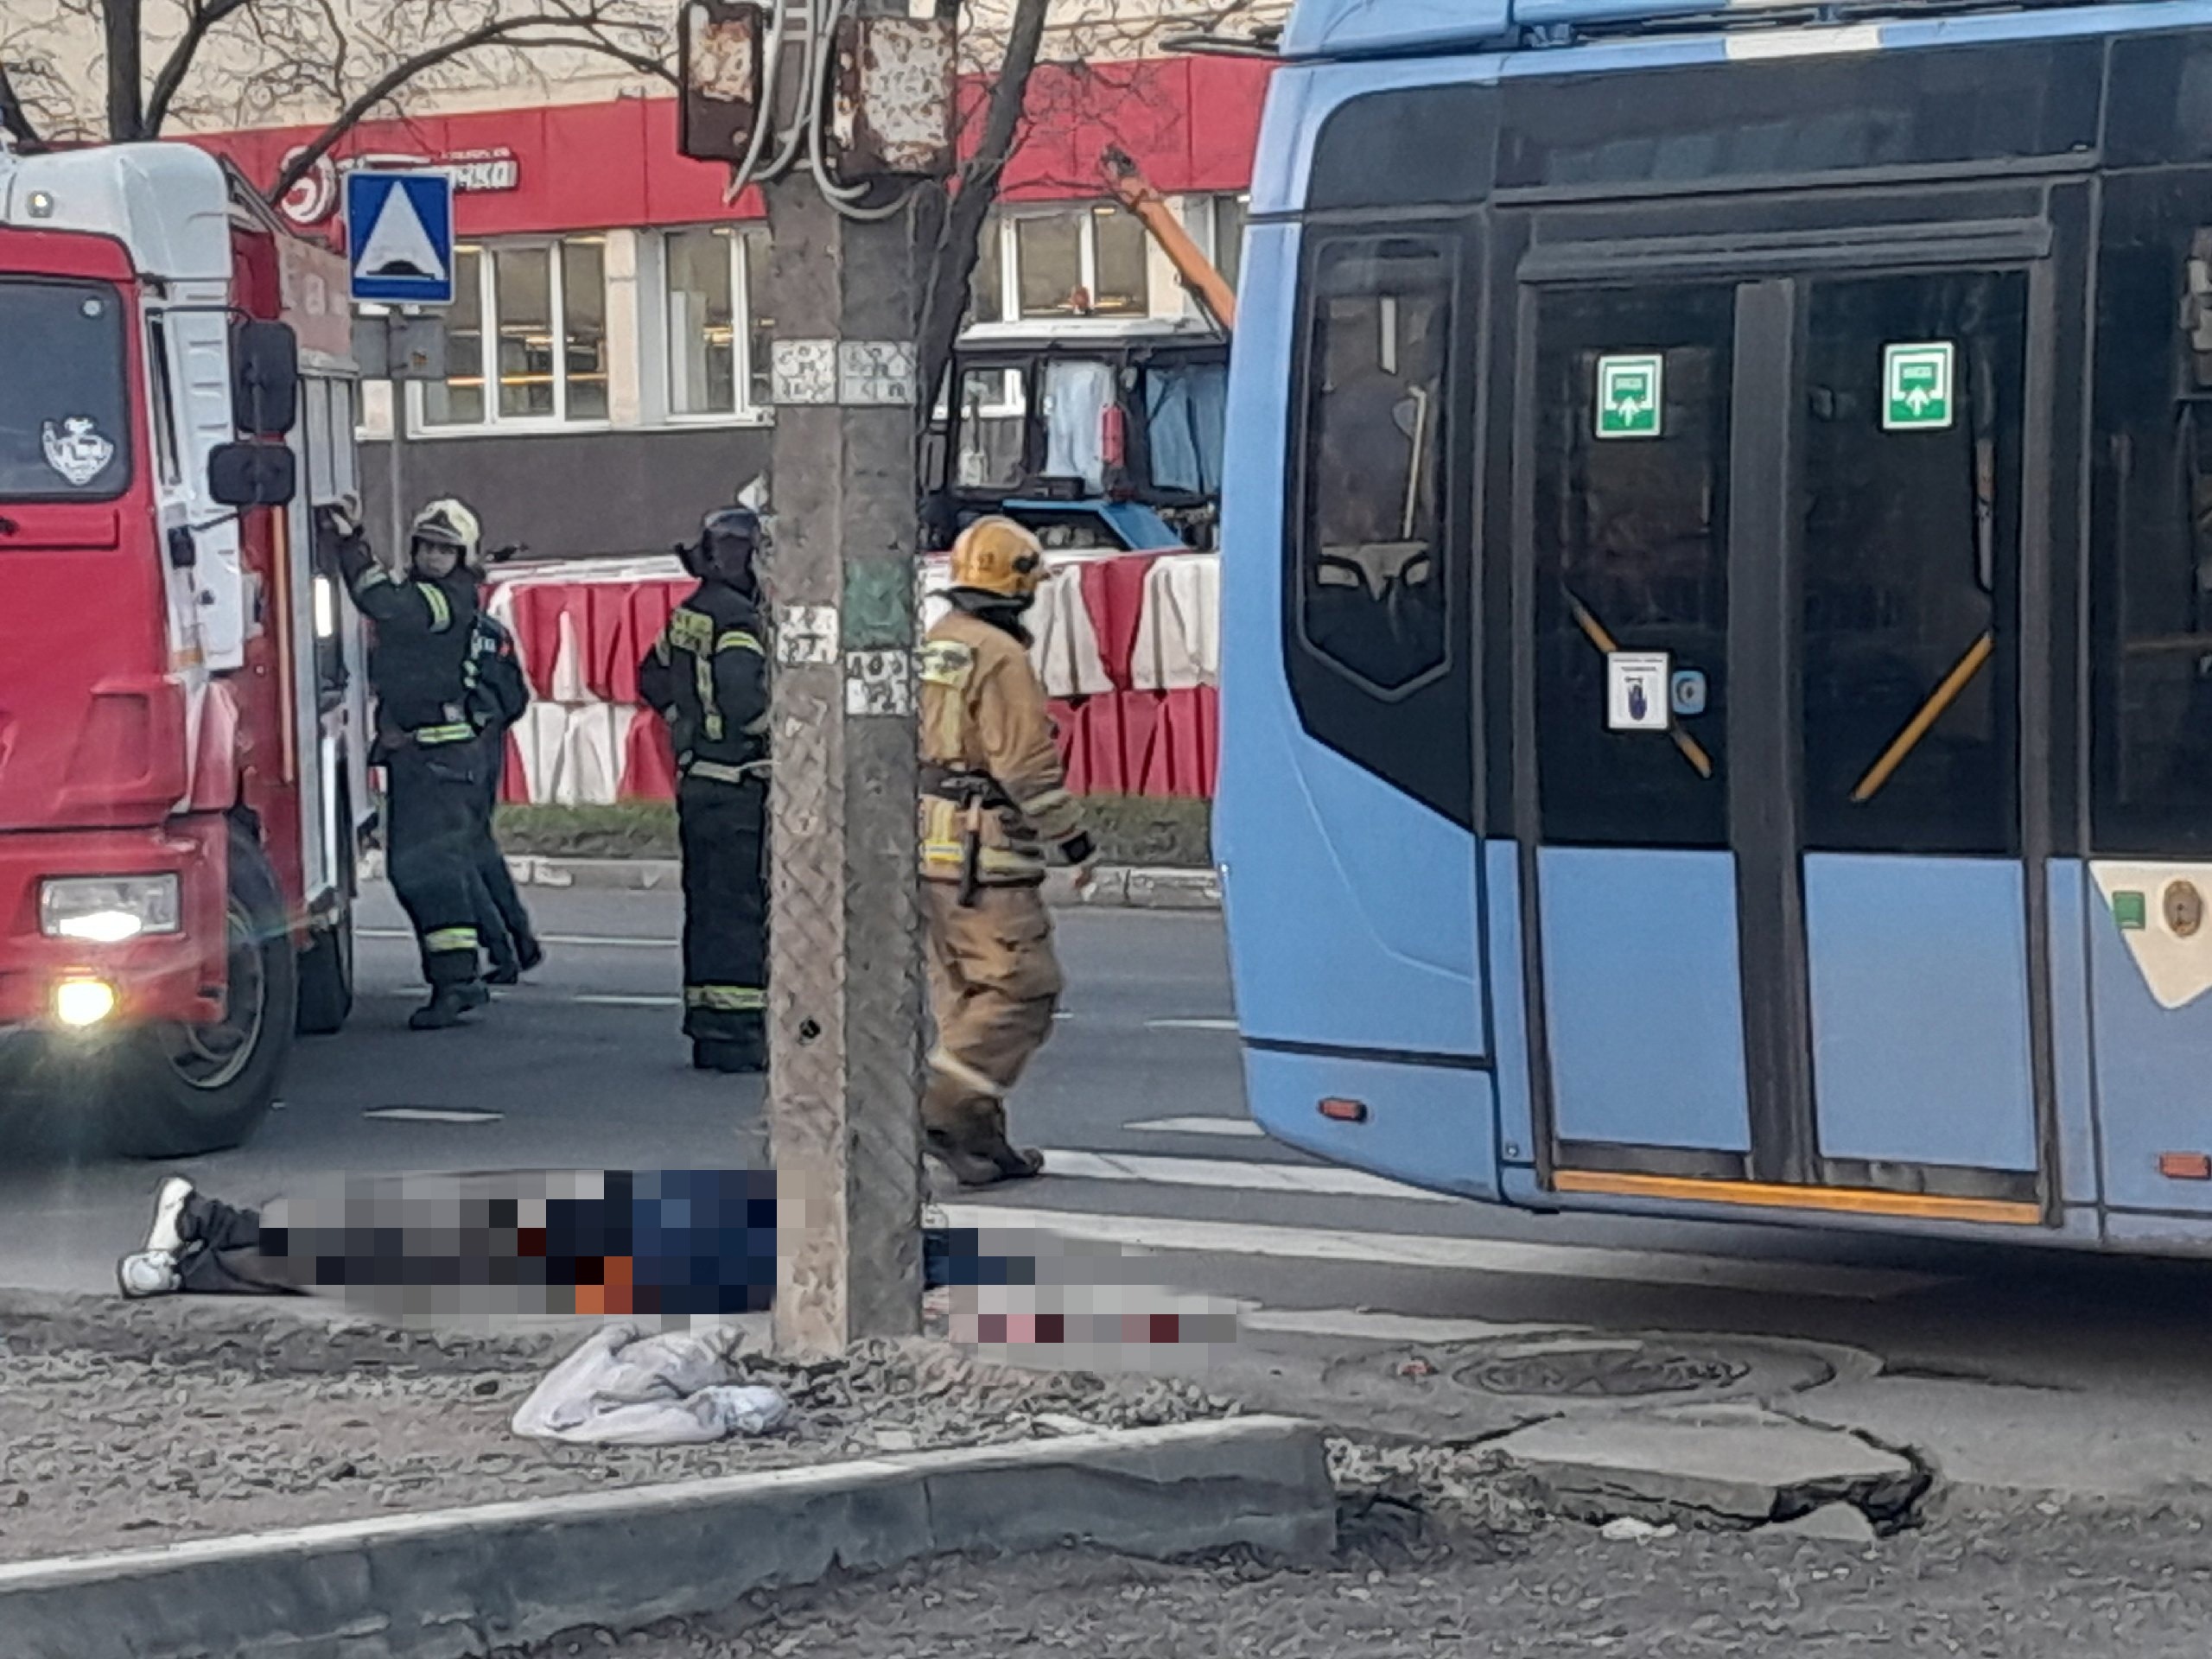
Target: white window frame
{"x": 746, "y": 413}
{"x": 1087, "y": 214}
{"x": 493, "y": 423}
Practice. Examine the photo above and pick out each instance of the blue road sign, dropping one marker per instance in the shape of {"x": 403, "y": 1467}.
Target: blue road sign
{"x": 399, "y": 237}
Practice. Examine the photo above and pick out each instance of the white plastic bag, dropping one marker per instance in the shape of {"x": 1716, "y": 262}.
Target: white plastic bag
{"x": 621, "y": 1387}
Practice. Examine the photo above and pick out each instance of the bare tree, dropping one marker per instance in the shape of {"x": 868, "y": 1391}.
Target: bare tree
{"x": 1098, "y": 42}
{"x": 15, "y": 120}
{"x": 340, "y": 62}
{"x": 953, "y": 220}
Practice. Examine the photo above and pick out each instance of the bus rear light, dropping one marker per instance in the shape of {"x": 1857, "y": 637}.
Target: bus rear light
{"x": 1344, "y": 1111}
{"x": 2185, "y": 1165}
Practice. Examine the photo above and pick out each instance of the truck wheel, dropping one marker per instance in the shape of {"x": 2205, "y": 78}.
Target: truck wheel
{"x": 183, "y": 1091}
{"x": 327, "y": 965}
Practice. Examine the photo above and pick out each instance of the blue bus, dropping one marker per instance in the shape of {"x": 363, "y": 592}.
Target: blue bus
{"x": 1717, "y": 624}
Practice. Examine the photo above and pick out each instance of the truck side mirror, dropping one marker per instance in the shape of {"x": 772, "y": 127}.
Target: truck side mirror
{"x": 264, "y": 378}
{"x": 253, "y": 475}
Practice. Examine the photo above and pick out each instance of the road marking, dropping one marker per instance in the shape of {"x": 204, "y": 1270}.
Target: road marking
{"x": 612, "y": 999}
{"x": 1238, "y": 1126}
{"x": 581, "y": 941}
{"x": 1362, "y": 1325}
{"x": 1501, "y": 1256}
{"x": 431, "y": 1115}
{"x": 1236, "y": 1174}
{"x": 1190, "y": 1025}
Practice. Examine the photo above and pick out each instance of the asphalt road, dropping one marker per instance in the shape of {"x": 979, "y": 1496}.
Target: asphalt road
{"x": 2007, "y": 1361}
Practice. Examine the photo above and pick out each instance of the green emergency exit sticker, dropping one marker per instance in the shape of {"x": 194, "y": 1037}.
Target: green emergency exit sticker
{"x": 1630, "y": 395}
{"x": 1916, "y": 386}
{"x": 2128, "y": 910}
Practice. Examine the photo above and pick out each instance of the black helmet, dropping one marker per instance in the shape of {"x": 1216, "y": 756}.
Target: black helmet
{"x": 728, "y": 541}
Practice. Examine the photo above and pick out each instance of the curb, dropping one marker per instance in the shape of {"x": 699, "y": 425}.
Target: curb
{"x": 1113, "y": 888}
{"x": 460, "y": 1582}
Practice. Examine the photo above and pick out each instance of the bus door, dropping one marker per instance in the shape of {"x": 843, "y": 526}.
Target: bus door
{"x": 1768, "y": 786}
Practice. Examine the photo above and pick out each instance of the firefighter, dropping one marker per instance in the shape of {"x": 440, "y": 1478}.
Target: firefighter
{"x": 499, "y": 695}
{"x": 708, "y": 677}
{"x": 993, "y": 802}
{"x": 433, "y": 759}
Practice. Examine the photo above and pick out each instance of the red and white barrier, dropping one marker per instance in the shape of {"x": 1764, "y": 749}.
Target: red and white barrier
{"x": 1128, "y": 650}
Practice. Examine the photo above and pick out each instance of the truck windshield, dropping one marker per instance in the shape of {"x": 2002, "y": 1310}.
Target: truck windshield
{"x": 64, "y": 411}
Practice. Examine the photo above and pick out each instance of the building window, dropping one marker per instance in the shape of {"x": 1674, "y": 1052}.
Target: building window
{"x": 1063, "y": 261}
{"x": 986, "y": 291}
{"x": 1231, "y": 214}
{"x": 525, "y": 337}
{"x": 718, "y": 332}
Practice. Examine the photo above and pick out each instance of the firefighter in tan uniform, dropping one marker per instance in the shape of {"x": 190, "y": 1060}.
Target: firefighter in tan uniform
{"x": 993, "y": 803}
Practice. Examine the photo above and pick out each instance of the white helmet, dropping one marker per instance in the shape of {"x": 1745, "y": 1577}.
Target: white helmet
{"x": 449, "y": 523}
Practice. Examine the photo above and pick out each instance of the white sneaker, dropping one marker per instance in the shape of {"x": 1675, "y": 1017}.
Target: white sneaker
{"x": 166, "y": 1236}
{"x": 149, "y": 1273}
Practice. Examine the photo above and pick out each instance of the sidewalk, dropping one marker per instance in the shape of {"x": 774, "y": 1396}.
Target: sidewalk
{"x": 1116, "y": 888}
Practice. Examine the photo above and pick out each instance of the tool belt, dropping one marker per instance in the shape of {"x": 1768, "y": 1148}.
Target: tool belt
{"x": 721, "y": 772}
{"x": 963, "y": 787}
{"x": 391, "y": 738}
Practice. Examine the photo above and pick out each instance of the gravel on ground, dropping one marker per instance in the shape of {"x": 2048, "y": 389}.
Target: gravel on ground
{"x": 126, "y": 1424}
{"x": 2028, "y": 1584}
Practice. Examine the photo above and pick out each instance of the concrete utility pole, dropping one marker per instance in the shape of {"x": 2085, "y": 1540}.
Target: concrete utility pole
{"x": 845, "y": 973}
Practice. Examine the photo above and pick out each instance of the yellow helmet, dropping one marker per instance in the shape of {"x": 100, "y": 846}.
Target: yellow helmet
{"x": 997, "y": 556}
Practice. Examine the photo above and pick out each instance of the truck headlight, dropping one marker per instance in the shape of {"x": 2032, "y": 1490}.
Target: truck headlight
{"x": 108, "y": 909}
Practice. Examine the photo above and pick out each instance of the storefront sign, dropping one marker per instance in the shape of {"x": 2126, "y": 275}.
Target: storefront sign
{"x": 476, "y": 172}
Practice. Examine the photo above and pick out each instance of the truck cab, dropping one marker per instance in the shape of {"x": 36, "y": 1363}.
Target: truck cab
{"x": 1104, "y": 440}
{"x": 182, "y": 719}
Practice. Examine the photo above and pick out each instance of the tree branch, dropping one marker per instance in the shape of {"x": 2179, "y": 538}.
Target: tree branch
{"x": 121, "y": 23}
{"x": 510, "y": 31}
{"x": 205, "y": 14}
{"x": 950, "y": 287}
{"x": 15, "y": 119}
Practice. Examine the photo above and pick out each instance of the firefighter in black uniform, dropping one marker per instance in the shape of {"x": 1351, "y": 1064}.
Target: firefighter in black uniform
{"x": 430, "y": 748}
{"x": 499, "y": 695}
{"x": 708, "y": 677}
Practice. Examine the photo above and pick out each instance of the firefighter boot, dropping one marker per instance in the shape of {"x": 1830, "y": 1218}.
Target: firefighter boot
{"x": 967, "y": 1136}
{"x": 525, "y": 956}
{"x": 449, "y": 1006}
{"x": 968, "y": 1165}
{"x": 732, "y": 1059}
{"x": 1012, "y": 1163}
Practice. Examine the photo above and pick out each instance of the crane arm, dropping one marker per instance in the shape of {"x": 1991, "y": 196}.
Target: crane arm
{"x": 1197, "y": 271}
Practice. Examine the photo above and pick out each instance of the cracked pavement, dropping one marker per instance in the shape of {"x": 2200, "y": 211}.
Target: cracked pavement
{"x": 2012, "y": 1584}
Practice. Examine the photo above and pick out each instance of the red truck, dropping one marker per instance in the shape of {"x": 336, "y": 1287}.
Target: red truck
{"x": 183, "y": 728}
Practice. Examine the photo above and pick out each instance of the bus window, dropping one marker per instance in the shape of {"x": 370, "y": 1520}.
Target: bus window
{"x": 1631, "y": 554}
{"x": 1373, "y": 596}
{"x": 2152, "y": 595}
{"x": 1909, "y": 537}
